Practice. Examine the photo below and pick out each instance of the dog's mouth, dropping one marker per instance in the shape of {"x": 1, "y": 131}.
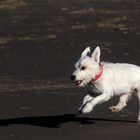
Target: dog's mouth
{"x": 78, "y": 82}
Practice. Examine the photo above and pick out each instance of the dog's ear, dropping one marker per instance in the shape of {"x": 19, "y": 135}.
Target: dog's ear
{"x": 96, "y": 54}
{"x": 85, "y": 52}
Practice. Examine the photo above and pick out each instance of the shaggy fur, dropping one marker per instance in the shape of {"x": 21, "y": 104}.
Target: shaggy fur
{"x": 119, "y": 79}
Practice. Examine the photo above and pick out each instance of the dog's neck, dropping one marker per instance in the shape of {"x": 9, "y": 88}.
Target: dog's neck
{"x": 99, "y": 74}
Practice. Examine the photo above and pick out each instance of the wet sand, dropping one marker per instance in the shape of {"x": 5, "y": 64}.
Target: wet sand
{"x": 39, "y": 42}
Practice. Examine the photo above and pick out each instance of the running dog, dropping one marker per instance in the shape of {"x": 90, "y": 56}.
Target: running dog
{"x": 105, "y": 80}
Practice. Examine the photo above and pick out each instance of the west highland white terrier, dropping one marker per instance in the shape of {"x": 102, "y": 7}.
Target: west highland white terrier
{"x": 105, "y": 80}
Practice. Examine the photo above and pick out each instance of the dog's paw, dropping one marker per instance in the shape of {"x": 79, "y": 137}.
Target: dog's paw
{"x": 113, "y": 109}
{"x": 87, "y": 108}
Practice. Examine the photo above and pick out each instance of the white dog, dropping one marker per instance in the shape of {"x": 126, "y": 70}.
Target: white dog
{"x": 105, "y": 80}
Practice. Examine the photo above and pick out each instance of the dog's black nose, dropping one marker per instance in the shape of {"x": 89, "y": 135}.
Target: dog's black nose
{"x": 73, "y": 77}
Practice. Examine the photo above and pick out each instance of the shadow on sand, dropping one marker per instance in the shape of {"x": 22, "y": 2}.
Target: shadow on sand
{"x": 55, "y": 121}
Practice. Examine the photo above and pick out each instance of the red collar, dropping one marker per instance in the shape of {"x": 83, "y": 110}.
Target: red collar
{"x": 98, "y": 76}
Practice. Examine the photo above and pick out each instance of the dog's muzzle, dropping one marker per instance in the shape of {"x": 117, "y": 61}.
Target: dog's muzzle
{"x": 77, "y": 82}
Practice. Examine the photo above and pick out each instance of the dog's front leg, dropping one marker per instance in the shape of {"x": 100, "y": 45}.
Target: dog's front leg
{"x": 93, "y": 102}
{"x": 86, "y": 99}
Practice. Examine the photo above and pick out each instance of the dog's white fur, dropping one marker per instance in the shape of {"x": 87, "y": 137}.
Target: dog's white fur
{"x": 119, "y": 79}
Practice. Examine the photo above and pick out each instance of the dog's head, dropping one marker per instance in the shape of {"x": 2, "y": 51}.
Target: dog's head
{"x": 87, "y": 67}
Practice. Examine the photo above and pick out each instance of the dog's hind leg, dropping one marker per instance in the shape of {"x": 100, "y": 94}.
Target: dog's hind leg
{"x": 139, "y": 106}
{"x": 122, "y": 103}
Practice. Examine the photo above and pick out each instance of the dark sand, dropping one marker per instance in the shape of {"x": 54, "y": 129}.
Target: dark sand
{"x": 39, "y": 42}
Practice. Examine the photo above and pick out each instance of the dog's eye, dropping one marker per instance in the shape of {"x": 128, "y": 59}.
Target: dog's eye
{"x": 83, "y": 68}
